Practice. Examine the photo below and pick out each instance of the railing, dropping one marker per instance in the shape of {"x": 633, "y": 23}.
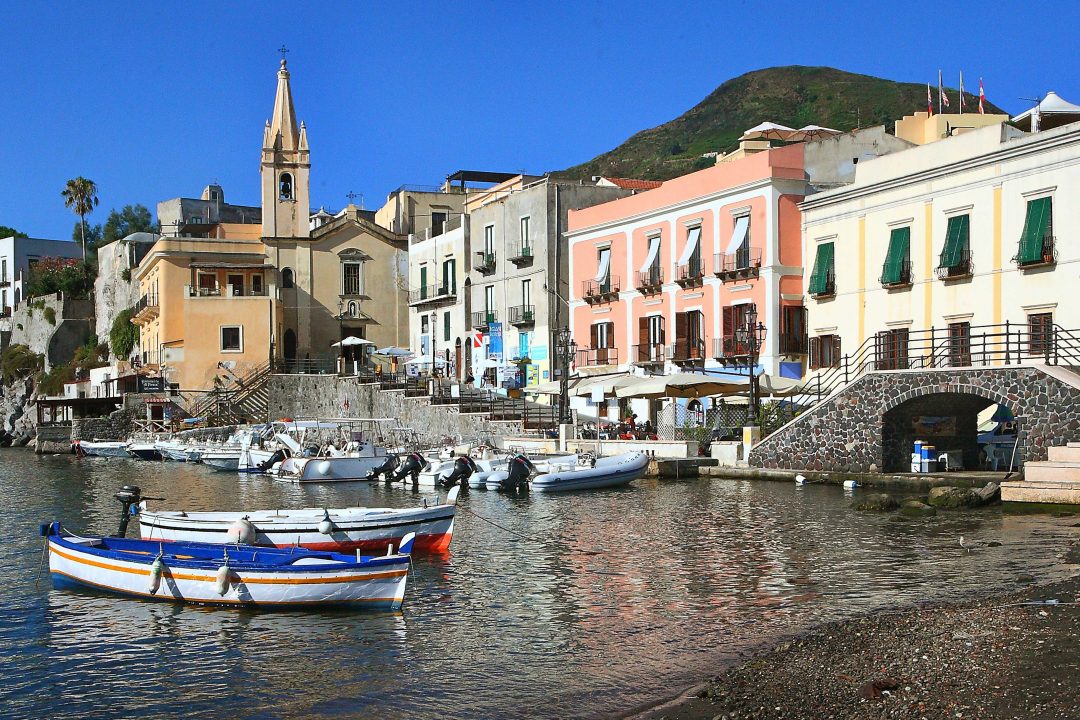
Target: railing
{"x": 730, "y": 346}
{"x": 522, "y": 253}
{"x": 306, "y": 366}
{"x": 688, "y": 351}
{"x": 589, "y": 357}
{"x": 486, "y": 262}
{"x": 431, "y": 293}
{"x": 793, "y": 343}
{"x": 689, "y": 274}
{"x": 829, "y": 288}
{"x": 146, "y": 301}
{"x": 744, "y": 262}
{"x": 903, "y": 280}
{"x": 650, "y": 353}
{"x": 650, "y": 281}
{"x": 484, "y": 318}
{"x": 963, "y": 269}
{"x": 1048, "y": 256}
{"x": 522, "y": 314}
{"x": 593, "y": 291}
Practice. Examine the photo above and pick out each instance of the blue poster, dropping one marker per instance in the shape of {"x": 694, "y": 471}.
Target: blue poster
{"x": 538, "y": 352}
{"x": 495, "y": 341}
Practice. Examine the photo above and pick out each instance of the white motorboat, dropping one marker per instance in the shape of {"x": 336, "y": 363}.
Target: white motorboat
{"x": 606, "y": 472}
{"x": 324, "y": 462}
{"x": 113, "y": 449}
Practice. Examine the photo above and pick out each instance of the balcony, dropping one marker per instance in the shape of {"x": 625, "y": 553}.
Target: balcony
{"x": 594, "y": 292}
{"x": 591, "y": 357}
{"x": 432, "y": 294}
{"x": 688, "y": 352}
{"x": 651, "y": 281}
{"x": 521, "y": 254}
{"x": 793, "y": 343}
{"x": 1048, "y": 256}
{"x": 901, "y": 280}
{"x": 486, "y": 262}
{"x": 826, "y": 289}
{"x": 963, "y": 269}
{"x": 690, "y": 275}
{"x": 145, "y": 310}
{"x": 731, "y": 349}
{"x": 223, "y": 291}
{"x": 483, "y": 319}
{"x": 650, "y": 354}
{"x": 739, "y": 265}
{"x": 522, "y": 315}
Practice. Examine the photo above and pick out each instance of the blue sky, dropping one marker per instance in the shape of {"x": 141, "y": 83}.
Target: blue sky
{"x": 154, "y": 101}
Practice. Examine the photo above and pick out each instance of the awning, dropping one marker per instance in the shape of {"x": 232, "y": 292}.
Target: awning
{"x": 738, "y": 236}
{"x": 426, "y": 360}
{"x": 682, "y": 385}
{"x": 605, "y": 265}
{"x": 607, "y": 385}
{"x": 654, "y": 251}
{"x": 1036, "y": 227}
{"x": 692, "y": 239}
{"x": 768, "y": 131}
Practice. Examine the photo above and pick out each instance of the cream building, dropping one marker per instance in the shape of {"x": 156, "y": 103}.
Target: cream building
{"x": 948, "y": 251}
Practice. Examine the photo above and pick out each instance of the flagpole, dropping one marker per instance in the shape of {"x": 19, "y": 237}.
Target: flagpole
{"x": 961, "y": 92}
{"x": 939, "y": 92}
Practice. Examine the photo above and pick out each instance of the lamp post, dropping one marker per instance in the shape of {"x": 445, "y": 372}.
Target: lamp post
{"x": 751, "y": 335}
{"x": 566, "y": 349}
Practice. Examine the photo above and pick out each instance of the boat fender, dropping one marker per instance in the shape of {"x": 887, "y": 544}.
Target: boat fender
{"x": 155, "y": 574}
{"x": 242, "y": 531}
{"x": 800, "y": 479}
{"x": 223, "y": 577}
{"x": 326, "y": 525}
{"x": 323, "y": 468}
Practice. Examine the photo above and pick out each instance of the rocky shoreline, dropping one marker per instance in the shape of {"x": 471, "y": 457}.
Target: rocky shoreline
{"x": 1010, "y": 655}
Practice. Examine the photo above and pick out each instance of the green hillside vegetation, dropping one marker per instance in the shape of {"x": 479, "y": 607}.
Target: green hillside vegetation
{"x": 794, "y": 96}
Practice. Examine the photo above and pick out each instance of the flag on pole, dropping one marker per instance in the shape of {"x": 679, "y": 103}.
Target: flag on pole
{"x": 929, "y": 102}
{"x": 961, "y": 92}
{"x": 943, "y": 99}
{"x": 982, "y": 96}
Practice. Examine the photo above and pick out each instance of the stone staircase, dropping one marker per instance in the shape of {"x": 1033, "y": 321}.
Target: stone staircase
{"x": 1055, "y": 480}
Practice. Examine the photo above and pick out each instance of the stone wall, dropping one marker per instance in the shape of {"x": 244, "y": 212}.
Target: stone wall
{"x": 58, "y": 340}
{"x": 328, "y": 396}
{"x": 17, "y": 415}
{"x": 845, "y": 432}
{"x": 112, "y": 293}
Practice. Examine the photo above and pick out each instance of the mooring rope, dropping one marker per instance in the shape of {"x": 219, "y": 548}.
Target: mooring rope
{"x": 522, "y": 536}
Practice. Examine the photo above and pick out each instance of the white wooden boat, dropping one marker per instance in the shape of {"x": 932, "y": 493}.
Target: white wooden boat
{"x": 226, "y": 574}
{"x": 610, "y": 471}
{"x": 336, "y": 529}
{"x": 143, "y": 451}
{"x": 102, "y": 449}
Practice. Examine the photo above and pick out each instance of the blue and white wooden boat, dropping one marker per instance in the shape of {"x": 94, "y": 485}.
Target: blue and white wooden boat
{"x": 610, "y": 471}
{"x": 195, "y": 572}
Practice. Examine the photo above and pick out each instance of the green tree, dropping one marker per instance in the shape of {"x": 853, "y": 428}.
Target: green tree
{"x": 131, "y": 219}
{"x": 6, "y": 231}
{"x": 80, "y": 196}
{"x": 93, "y": 235}
{"x": 50, "y": 275}
{"x": 123, "y": 335}
{"x": 18, "y": 361}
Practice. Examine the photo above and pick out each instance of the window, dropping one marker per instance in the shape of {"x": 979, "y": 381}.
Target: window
{"x": 793, "y": 330}
{"x": 689, "y": 336}
{"x": 232, "y": 338}
{"x": 955, "y": 260}
{"x": 1037, "y": 241}
{"x": 891, "y": 349}
{"x": 824, "y": 351}
{"x": 3, "y": 270}
{"x": 285, "y": 187}
{"x": 489, "y": 239}
{"x": 823, "y": 278}
{"x": 423, "y": 282}
{"x": 651, "y": 339}
{"x": 690, "y": 260}
{"x": 736, "y": 318}
{"x": 236, "y": 285}
{"x": 738, "y": 247}
{"x": 350, "y": 278}
{"x": 446, "y": 326}
{"x": 603, "y": 269}
{"x": 602, "y": 338}
{"x": 438, "y": 222}
{"x": 489, "y": 303}
{"x": 1040, "y": 333}
{"x": 897, "y": 268}
{"x": 424, "y": 324}
{"x": 526, "y": 293}
{"x": 449, "y": 269}
{"x": 287, "y": 278}
{"x": 207, "y": 284}
{"x": 525, "y": 233}
{"x": 523, "y": 344}
{"x": 256, "y": 284}
{"x": 3, "y": 300}
{"x": 959, "y": 344}
{"x": 650, "y": 274}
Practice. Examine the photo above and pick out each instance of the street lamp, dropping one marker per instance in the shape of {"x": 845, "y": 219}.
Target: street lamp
{"x": 566, "y": 348}
{"x": 751, "y": 335}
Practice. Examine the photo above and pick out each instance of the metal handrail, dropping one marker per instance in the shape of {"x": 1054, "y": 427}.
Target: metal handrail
{"x": 522, "y": 314}
{"x": 1048, "y": 256}
{"x": 650, "y": 280}
{"x": 743, "y": 259}
{"x": 432, "y": 293}
{"x": 598, "y": 356}
{"x": 597, "y": 290}
{"x": 483, "y": 318}
{"x": 687, "y": 350}
{"x": 903, "y": 281}
{"x": 649, "y": 353}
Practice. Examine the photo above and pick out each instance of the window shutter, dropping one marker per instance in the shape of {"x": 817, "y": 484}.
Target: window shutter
{"x": 1036, "y": 229}
{"x": 729, "y": 321}
{"x": 815, "y": 353}
{"x": 834, "y": 360}
{"x": 823, "y": 267}
{"x": 897, "y": 256}
{"x": 643, "y": 333}
{"x": 594, "y": 336}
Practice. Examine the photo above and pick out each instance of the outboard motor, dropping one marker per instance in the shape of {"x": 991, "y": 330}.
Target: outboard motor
{"x": 130, "y": 496}
{"x": 273, "y": 460}
{"x": 414, "y": 463}
{"x": 518, "y": 474}
{"x": 386, "y": 469}
{"x": 464, "y": 467}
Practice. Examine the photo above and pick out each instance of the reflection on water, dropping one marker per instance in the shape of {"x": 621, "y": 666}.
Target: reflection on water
{"x": 616, "y": 595}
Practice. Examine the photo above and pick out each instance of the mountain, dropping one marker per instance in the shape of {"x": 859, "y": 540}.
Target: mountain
{"x": 793, "y": 95}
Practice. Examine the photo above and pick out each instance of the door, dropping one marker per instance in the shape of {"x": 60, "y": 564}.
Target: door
{"x": 458, "y": 366}
{"x": 236, "y": 285}
{"x": 289, "y": 345}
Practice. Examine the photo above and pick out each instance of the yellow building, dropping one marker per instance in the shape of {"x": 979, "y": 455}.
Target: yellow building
{"x": 229, "y": 303}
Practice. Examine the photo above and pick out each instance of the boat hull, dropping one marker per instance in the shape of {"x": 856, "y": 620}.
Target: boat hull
{"x": 225, "y": 462}
{"x": 608, "y": 472}
{"x": 104, "y": 449}
{"x": 144, "y": 452}
{"x": 328, "y": 469}
{"x": 261, "y": 577}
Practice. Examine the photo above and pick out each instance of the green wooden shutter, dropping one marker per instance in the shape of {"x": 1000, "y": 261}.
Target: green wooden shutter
{"x": 423, "y": 282}
{"x": 956, "y": 242}
{"x": 897, "y": 256}
{"x": 823, "y": 266}
{"x": 1036, "y": 225}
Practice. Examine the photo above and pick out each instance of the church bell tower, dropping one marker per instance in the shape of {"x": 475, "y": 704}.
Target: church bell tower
{"x": 285, "y": 168}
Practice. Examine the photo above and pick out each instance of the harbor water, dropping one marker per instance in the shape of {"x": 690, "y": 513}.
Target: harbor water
{"x": 585, "y": 604}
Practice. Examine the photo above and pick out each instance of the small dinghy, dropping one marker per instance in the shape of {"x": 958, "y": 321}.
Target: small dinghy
{"x": 610, "y": 471}
{"x": 340, "y": 530}
{"x": 226, "y": 574}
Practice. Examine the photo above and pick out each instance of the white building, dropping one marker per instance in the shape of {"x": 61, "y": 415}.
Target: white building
{"x": 18, "y": 255}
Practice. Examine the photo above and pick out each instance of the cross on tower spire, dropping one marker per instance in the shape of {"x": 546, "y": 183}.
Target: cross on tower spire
{"x": 283, "y": 50}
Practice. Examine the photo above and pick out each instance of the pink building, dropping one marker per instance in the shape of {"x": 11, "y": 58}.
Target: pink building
{"x": 661, "y": 281}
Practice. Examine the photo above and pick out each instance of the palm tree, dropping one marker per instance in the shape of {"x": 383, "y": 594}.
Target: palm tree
{"x": 80, "y": 195}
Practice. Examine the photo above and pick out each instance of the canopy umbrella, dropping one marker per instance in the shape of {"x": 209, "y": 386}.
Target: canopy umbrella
{"x": 394, "y": 352}
{"x": 770, "y": 385}
{"x": 768, "y": 131}
{"x": 426, "y": 360}
{"x": 815, "y": 132}
{"x": 608, "y": 384}
{"x": 682, "y": 385}
{"x": 352, "y": 341}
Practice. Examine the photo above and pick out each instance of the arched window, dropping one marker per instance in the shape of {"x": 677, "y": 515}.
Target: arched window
{"x": 287, "y": 278}
{"x": 290, "y": 345}
{"x": 285, "y": 187}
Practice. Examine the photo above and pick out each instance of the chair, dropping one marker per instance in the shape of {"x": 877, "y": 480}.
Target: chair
{"x": 999, "y": 454}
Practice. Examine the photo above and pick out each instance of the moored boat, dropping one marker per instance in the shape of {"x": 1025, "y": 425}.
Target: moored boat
{"x": 610, "y": 471}
{"x": 144, "y": 451}
{"x": 337, "y": 529}
{"x": 226, "y": 574}
{"x": 102, "y": 449}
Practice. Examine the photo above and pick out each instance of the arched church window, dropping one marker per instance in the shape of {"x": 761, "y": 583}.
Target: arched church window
{"x": 287, "y": 278}
{"x": 285, "y": 187}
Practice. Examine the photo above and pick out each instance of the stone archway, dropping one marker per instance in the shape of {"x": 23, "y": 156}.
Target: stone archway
{"x": 952, "y": 410}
